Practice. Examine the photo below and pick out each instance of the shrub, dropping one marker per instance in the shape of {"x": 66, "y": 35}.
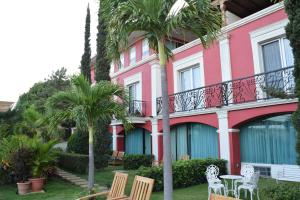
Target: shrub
{"x": 21, "y": 162}
{"x": 282, "y": 191}
{"x": 78, "y": 142}
{"x": 73, "y": 162}
{"x": 185, "y": 173}
{"x": 136, "y": 161}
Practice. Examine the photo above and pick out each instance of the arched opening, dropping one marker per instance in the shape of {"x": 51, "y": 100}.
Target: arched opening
{"x": 194, "y": 139}
{"x": 138, "y": 141}
{"x": 270, "y": 140}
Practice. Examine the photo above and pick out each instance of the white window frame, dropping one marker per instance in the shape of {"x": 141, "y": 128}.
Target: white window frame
{"x": 122, "y": 61}
{"x": 132, "y": 52}
{"x": 136, "y": 78}
{"x": 261, "y": 36}
{"x": 190, "y": 69}
{"x": 145, "y": 49}
{"x": 185, "y": 63}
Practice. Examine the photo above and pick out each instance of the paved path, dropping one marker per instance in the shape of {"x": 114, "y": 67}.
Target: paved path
{"x": 76, "y": 180}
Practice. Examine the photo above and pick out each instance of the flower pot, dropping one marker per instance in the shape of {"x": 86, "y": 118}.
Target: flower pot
{"x": 37, "y": 184}
{"x": 23, "y": 187}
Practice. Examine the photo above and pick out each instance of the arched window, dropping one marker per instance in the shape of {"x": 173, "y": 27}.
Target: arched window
{"x": 270, "y": 140}
{"x": 138, "y": 141}
{"x": 194, "y": 139}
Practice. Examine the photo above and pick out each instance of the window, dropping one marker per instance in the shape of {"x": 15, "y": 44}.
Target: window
{"x": 190, "y": 78}
{"x": 145, "y": 48}
{"x": 133, "y": 88}
{"x": 121, "y": 64}
{"x": 138, "y": 141}
{"x": 132, "y": 56}
{"x": 172, "y": 44}
{"x": 277, "y": 54}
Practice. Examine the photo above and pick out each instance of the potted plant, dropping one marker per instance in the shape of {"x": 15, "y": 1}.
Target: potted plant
{"x": 21, "y": 163}
{"x": 44, "y": 157}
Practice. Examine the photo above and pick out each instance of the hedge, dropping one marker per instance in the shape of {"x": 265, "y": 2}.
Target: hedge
{"x": 73, "y": 162}
{"x": 185, "y": 173}
{"x": 134, "y": 161}
{"x": 282, "y": 191}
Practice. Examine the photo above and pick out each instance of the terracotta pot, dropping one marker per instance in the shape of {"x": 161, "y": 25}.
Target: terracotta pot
{"x": 23, "y": 188}
{"x": 37, "y": 184}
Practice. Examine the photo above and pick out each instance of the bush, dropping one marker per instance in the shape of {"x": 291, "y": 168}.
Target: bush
{"x": 22, "y": 161}
{"x": 136, "y": 161}
{"x": 73, "y": 162}
{"x": 282, "y": 191}
{"x": 78, "y": 142}
{"x": 185, "y": 173}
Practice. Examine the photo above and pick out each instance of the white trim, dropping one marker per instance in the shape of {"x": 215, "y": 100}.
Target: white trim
{"x": 225, "y": 58}
{"x": 264, "y": 34}
{"x": 185, "y": 63}
{"x": 133, "y": 120}
{"x": 154, "y": 137}
{"x": 120, "y": 136}
{"x": 114, "y": 136}
{"x": 155, "y": 85}
{"x": 137, "y": 64}
{"x": 231, "y": 130}
{"x": 242, "y": 106}
{"x": 136, "y": 78}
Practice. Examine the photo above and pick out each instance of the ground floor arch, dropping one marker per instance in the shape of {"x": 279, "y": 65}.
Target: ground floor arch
{"x": 138, "y": 141}
{"x": 268, "y": 140}
{"x": 194, "y": 139}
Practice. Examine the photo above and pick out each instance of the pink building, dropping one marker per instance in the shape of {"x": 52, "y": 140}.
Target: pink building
{"x": 218, "y": 101}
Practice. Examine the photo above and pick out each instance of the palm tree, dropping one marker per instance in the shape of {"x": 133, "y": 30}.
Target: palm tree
{"x": 86, "y": 104}
{"x": 159, "y": 20}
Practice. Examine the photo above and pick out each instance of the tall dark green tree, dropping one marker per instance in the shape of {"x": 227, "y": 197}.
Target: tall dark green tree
{"x": 85, "y": 66}
{"x": 292, "y": 8}
{"x": 102, "y": 65}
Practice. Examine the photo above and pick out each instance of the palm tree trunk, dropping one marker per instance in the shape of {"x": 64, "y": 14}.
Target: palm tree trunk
{"x": 168, "y": 179}
{"x": 91, "y": 158}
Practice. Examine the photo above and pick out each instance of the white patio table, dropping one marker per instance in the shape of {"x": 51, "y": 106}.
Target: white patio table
{"x": 232, "y": 178}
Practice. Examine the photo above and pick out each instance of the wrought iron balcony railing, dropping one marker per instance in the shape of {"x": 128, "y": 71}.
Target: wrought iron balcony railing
{"x": 259, "y": 87}
{"x": 137, "y": 108}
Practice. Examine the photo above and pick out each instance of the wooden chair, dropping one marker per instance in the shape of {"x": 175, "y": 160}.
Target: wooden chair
{"x": 185, "y": 157}
{"x": 119, "y": 159}
{"x": 219, "y": 197}
{"x": 116, "y": 191}
{"x": 141, "y": 189}
{"x": 114, "y": 155}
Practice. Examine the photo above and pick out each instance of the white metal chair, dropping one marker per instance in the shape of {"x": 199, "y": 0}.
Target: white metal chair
{"x": 251, "y": 186}
{"x": 214, "y": 183}
{"x": 247, "y": 172}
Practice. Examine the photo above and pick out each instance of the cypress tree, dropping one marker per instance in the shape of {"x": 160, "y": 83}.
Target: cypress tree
{"x": 85, "y": 67}
{"x": 102, "y": 65}
{"x": 292, "y": 8}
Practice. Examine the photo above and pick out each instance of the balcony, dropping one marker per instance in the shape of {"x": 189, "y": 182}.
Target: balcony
{"x": 137, "y": 108}
{"x": 260, "y": 87}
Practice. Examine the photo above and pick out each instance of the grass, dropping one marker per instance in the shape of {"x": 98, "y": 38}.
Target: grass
{"x": 56, "y": 189}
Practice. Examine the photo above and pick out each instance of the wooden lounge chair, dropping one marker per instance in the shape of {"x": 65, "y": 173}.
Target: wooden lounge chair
{"x": 116, "y": 191}
{"x": 114, "y": 155}
{"x": 219, "y": 197}
{"x": 141, "y": 189}
{"x": 118, "y": 160}
{"x": 185, "y": 157}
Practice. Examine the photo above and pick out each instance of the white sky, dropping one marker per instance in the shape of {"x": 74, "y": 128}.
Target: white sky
{"x": 38, "y": 37}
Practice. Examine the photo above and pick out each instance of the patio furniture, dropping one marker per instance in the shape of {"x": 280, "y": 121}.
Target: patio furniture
{"x": 114, "y": 155}
{"x": 247, "y": 172}
{"x": 232, "y": 178}
{"x": 141, "y": 189}
{"x": 252, "y": 185}
{"x": 118, "y": 160}
{"x": 219, "y": 197}
{"x": 116, "y": 191}
{"x": 289, "y": 173}
{"x": 185, "y": 157}
{"x": 214, "y": 183}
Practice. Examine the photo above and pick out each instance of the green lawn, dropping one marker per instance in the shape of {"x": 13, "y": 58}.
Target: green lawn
{"x": 56, "y": 189}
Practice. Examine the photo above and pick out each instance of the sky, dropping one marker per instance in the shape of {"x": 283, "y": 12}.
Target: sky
{"x": 38, "y": 37}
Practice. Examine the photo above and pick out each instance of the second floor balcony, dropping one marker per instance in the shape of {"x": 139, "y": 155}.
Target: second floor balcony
{"x": 137, "y": 108}
{"x": 269, "y": 85}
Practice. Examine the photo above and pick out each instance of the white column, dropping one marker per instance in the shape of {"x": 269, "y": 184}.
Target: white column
{"x": 225, "y": 57}
{"x": 224, "y": 136}
{"x": 114, "y": 137}
{"x": 155, "y": 135}
{"x": 155, "y": 85}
